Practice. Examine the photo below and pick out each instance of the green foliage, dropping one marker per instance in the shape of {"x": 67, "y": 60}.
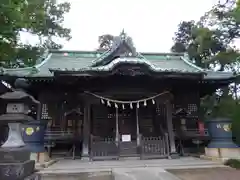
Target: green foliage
{"x": 213, "y": 106}
{"x": 42, "y": 18}
{"x": 234, "y": 163}
{"x": 236, "y": 124}
{"x": 105, "y": 42}
{"x": 203, "y": 45}
{"x": 209, "y": 41}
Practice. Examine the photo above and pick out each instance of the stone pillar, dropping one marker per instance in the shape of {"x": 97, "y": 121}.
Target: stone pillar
{"x": 86, "y": 133}
{"x": 173, "y": 152}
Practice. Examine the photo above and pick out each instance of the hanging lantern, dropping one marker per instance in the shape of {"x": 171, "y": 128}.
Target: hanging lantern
{"x": 102, "y": 101}
{"x": 145, "y": 103}
{"x": 153, "y": 101}
{"x": 108, "y": 103}
{"x": 123, "y": 106}
{"x": 116, "y": 106}
{"x": 131, "y": 105}
{"x": 138, "y": 105}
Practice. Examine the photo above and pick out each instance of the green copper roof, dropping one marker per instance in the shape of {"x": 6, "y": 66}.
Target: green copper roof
{"x": 122, "y": 51}
{"x": 163, "y": 64}
{"x": 82, "y": 61}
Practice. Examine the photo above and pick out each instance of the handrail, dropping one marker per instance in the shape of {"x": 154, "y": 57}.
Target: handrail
{"x": 58, "y": 135}
{"x": 62, "y": 133}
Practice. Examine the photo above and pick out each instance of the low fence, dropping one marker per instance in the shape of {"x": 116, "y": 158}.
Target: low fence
{"x": 149, "y": 148}
{"x": 53, "y": 137}
{"x": 154, "y": 147}
{"x": 107, "y": 148}
{"x": 103, "y": 148}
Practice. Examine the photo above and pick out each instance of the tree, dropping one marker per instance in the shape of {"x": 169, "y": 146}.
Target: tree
{"x": 105, "y": 42}
{"x": 41, "y": 18}
{"x": 224, "y": 17}
{"x": 209, "y": 41}
{"x": 199, "y": 42}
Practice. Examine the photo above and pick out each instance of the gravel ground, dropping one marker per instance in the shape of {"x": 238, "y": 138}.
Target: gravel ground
{"x": 207, "y": 174}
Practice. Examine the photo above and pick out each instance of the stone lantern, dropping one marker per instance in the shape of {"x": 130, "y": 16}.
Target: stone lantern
{"x": 15, "y": 160}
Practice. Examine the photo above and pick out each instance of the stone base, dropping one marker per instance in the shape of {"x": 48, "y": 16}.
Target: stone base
{"x": 16, "y": 171}
{"x": 222, "y": 154}
{"x": 14, "y": 155}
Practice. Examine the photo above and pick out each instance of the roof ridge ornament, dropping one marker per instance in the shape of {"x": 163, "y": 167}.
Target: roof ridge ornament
{"x": 124, "y": 40}
{"x": 123, "y": 35}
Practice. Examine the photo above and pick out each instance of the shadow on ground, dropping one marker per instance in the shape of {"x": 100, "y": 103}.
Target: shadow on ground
{"x": 207, "y": 174}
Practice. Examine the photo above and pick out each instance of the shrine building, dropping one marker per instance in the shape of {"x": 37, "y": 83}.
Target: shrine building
{"x": 119, "y": 103}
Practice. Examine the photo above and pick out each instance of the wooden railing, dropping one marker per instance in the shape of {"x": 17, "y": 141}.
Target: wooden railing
{"x": 52, "y": 137}
{"x": 191, "y": 133}
{"x": 154, "y": 147}
{"x": 109, "y": 148}
{"x": 58, "y": 135}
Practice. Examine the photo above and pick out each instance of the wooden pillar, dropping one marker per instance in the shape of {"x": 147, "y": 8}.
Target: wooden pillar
{"x": 117, "y": 128}
{"x": 137, "y": 124}
{"x": 170, "y": 128}
{"x": 86, "y": 133}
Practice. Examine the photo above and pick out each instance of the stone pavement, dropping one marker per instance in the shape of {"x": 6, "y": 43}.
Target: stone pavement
{"x": 122, "y": 169}
{"x": 142, "y": 174}
{"x": 117, "y": 174}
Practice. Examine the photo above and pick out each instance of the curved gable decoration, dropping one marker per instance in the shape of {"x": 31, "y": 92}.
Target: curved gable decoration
{"x": 131, "y": 69}
{"x": 133, "y": 61}
{"x": 128, "y": 66}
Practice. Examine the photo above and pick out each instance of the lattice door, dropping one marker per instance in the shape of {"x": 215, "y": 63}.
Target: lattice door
{"x": 103, "y": 121}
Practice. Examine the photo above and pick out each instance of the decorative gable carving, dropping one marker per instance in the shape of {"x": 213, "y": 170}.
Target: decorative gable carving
{"x": 131, "y": 70}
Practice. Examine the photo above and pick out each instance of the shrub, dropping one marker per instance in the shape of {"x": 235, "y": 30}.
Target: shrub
{"x": 234, "y": 163}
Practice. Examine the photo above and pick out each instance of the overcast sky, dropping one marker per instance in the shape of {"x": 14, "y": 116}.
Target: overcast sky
{"x": 151, "y": 23}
